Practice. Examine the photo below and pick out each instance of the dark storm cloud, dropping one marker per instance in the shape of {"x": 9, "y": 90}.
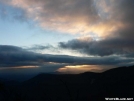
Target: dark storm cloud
{"x": 12, "y": 56}
{"x": 110, "y": 46}
{"x": 16, "y": 56}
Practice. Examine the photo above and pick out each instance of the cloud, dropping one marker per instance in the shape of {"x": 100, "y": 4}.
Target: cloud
{"x": 111, "y": 21}
{"x": 119, "y": 41}
{"x": 66, "y": 16}
{"x": 86, "y": 17}
{"x": 106, "y": 47}
{"x": 21, "y": 61}
{"x": 84, "y": 68}
{"x": 103, "y": 19}
{"x": 12, "y": 56}
{"x": 39, "y": 47}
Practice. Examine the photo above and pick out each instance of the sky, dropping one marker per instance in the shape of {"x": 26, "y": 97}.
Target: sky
{"x": 65, "y": 36}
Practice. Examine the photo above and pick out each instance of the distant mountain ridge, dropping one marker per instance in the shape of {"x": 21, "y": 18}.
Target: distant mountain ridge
{"x": 88, "y": 86}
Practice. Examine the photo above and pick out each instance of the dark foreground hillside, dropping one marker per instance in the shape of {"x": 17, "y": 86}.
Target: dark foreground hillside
{"x": 118, "y": 82}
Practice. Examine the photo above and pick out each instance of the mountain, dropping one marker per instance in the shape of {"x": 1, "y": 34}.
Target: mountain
{"x": 89, "y": 86}
{"x": 63, "y": 87}
{"x": 117, "y": 82}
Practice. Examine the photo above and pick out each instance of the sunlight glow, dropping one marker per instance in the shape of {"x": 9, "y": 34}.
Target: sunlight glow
{"x": 80, "y": 69}
{"x": 19, "y": 67}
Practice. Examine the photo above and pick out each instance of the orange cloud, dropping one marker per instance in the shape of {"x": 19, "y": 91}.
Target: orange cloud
{"x": 65, "y": 16}
{"x": 83, "y": 68}
{"x": 18, "y": 67}
{"x": 75, "y": 17}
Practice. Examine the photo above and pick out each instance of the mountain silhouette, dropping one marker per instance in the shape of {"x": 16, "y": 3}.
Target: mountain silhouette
{"x": 117, "y": 82}
{"x": 89, "y": 86}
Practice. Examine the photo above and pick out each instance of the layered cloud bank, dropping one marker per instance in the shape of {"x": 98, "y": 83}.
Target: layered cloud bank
{"x": 107, "y": 47}
{"x": 17, "y": 57}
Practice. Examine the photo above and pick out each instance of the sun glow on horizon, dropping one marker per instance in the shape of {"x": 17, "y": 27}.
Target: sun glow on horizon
{"x": 76, "y": 69}
{"x": 19, "y": 67}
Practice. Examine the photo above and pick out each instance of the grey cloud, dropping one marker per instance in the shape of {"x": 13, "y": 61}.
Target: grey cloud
{"x": 67, "y": 8}
{"x": 12, "y": 56}
{"x": 106, "y": 47}
{"x": 39, "y": 47}
{"x": 61, "y": 8}
{"x": 119, "y": 42}
{"x": 123, "y": 10}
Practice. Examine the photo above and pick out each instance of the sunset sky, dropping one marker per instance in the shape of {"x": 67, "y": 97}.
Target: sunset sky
{"x": 67, "y": 36}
